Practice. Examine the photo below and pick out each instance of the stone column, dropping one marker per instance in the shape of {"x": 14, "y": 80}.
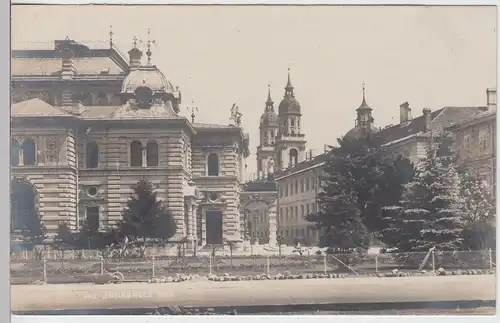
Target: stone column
{"x": 194, "y": 231}
{"x": 203, "y": 227}
{"x": 189, "y": 224}
{"x": 272, "y": 224}
{"x": 144, "y": 157}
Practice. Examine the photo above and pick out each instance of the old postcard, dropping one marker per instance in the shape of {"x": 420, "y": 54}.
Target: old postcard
{"x": 244, "y": 159}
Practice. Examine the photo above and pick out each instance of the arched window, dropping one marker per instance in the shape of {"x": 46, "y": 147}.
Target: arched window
{"x": 152, "y": 153}
{"x": 23, "y": 201}
{"x": 14, "y": 152}
{"x": 29, "y": 152}
{"x": 102, "y": 99}
{"x": 213, "y": 165}
{"x": 136, "y": 154}
{"x": 294, "y": 158}
{"x": 91, "y": 155}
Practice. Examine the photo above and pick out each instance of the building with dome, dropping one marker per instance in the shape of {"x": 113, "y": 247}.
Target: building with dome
{"x": 88, "y": 124}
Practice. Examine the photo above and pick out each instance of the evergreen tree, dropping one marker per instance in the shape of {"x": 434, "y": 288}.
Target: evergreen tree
{"x": 145, "y": 218}
{"x": 339, "y": 218}
{"x": 429, "y": 215}
{"x": 478, "y": 212}
{"x": 34, "y": 232}
{"x": 65, "y": 239}
{"x": 360, "y": 178}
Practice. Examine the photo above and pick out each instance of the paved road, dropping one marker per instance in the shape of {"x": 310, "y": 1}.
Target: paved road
{"x": 246, "y": 293}
{"x": 430, "y": 311}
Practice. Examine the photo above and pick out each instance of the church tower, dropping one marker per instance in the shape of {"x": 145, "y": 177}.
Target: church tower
{"x": 290, "y": 142}
{"x": 364, "y": 116}
{"x": 268, "y": 132}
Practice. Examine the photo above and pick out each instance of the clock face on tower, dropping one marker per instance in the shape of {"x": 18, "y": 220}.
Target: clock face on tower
{"x": 144, "y": 97}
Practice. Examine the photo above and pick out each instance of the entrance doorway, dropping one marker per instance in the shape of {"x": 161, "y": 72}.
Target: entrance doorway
{"x": 214, "y": 227}
{"x": 22, "y": 205}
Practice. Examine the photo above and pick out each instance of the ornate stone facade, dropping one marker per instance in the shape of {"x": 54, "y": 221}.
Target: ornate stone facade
{"x": 84, "y": 134}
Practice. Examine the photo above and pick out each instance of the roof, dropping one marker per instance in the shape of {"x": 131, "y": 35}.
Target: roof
{"x": 260, "y": 186}
{"x": 36, "y": 108}
{"x": 440, "y": 119}
{"x": 317, "y": 161}
{"x": 34, "y": 62}
{"x": 478, "y": 118}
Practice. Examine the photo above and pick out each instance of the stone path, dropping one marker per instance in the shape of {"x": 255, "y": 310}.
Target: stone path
{"x": 245, "y": 293}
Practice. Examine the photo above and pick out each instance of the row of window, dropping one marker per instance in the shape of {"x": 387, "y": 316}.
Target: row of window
{"x": 483, "y": 142}
{"x": 140, "y": 156}
{"x": 292, "y": 213}
{"x": 303, "y": 232}
{"x": 296, "y": 187}
{"x": 309, "y": 232}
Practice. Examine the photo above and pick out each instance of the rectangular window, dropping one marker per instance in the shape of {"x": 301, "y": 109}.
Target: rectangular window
{"x": 307, "y": 184}
{"x": 296, "y": 186}
{"x": 302, "y": 210}
{"x": 302, "y": 185}
{"x": 467, "y": 142}
{"x": 296, "y": 212}
{"x": 484, "y": 140}
{"x": 307, "y": 209}
{"x": 92, "y": 218}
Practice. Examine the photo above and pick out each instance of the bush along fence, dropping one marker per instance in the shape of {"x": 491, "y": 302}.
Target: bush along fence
{"x": 220, "y": 268}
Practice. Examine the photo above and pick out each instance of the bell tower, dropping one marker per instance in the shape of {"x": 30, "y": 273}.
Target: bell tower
{"x": 290, "y": 142}
{"x": 268, "y": 131}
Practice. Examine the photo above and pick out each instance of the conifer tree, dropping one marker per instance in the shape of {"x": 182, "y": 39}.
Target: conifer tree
{"x": 145, "y": 218}
{"x": 478, "y": 211}
{"x": 34, "y": 232}
{"x": 428, "y": 215}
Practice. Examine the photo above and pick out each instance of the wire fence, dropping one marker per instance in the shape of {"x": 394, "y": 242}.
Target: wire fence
{"x": 70, "y": 270}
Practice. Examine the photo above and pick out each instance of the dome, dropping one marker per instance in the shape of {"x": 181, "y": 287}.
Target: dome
{"x": 147, "y": 76}
{"x": 269, "y": 119}
{"x": 356, "y": 133}
{"x": 359, "y": 132}
{"x": 289, "y": 105}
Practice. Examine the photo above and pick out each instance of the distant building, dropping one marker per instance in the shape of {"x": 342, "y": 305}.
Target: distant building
{"x": 298, "y": 184}
{"x": 475, "y": 141}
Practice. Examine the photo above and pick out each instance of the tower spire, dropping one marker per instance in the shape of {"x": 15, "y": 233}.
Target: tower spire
{"x": 364, "y": 97}
{"x": 269, "y": 100}
{"x": 289, "y": 86}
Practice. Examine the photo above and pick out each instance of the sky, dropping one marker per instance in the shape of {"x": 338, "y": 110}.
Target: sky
{"x": 219, "y": 55}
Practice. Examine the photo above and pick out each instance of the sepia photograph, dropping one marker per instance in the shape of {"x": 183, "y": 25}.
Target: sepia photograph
{"x": 252, "y": 160}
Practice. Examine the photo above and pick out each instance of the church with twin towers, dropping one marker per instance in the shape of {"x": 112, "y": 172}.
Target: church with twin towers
{"x": 282, "y": 143}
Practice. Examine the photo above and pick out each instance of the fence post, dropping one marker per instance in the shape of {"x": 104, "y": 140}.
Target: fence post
{"x": 153, "y": 266}
{"x": 44, "y": 270}
{"x": 324, "y": 264}
{"x": 491, "y": 259}
{"x": 433, "y": 261}
{"x": 102, "y": 265}
{"x": 376, "y": 264}
{"x": 210, "y": 264}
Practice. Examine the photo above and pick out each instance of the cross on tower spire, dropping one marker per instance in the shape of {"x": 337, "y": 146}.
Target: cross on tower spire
{"x": 150, "y": 42}
{"x": 111, "y": 36}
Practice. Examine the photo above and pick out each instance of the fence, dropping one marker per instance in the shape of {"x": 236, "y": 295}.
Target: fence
{"x": 67, "y": 270}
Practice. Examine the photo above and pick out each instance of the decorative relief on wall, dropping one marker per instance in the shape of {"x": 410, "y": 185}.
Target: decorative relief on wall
{"x": 51, "y": 150}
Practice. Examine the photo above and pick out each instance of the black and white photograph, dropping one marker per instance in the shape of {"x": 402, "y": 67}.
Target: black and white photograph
{"x": 252, "y": 159}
